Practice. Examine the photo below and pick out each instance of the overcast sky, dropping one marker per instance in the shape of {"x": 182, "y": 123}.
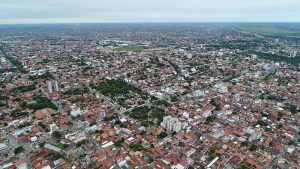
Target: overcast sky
{"x": 82, "y": 11}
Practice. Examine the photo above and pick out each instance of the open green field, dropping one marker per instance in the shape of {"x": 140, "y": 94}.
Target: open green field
{"x": 258, "y": 36}
{"x": 271, "y": 31}
{"x": 131, "y": 49}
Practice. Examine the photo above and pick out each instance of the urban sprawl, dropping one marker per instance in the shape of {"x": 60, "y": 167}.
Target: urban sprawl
{"x": 148, "y": 96}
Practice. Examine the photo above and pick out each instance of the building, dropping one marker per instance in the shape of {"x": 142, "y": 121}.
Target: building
{"x": 199, "y": 93}
{"x": 221, "y": 88}
{"x": 172, "y": 124}
{"x": 50, "y": 87}
{"x": 176, "y": 127}
{"x": 293, "y": 54}
{"x": 53, "y": 128}
{"x": 75, "y": 111}
{"x": 53, "y": 86}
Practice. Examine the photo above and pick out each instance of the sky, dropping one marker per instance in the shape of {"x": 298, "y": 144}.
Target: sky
{"x": 132, "y": 11}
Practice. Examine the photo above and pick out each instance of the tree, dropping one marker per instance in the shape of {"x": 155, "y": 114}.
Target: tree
{"x": 181, "y": 144}
{"x": 137, "y": 147}
{"x": 293, "y": 109}
{"x": 280, "y": 114}
{"x": 19, "y": 150}
{"x": 93, "y": 123}
{"x": 79, "y": 144}
{"x": 162, "y": 135}
{"x": 253, "y": 147}
{"x": 245, "y": 143}
{"x": 150, "y": 160}
{"x": 291, "y": 142}
{"x": 57, "y": 135}
{"x": 42, "y": 144}
{"x": 174, "y": 99}
{"x": 209, "y": 119}
{"x": 119, "y": 142}
{"x": 260, "y": 122}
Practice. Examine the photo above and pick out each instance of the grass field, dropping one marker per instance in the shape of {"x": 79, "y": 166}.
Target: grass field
{"x": 131, "y": 49}
{"x": 60, "y": 146}
{"x": 270, "y": 31}
{"x": 259, "y": 36}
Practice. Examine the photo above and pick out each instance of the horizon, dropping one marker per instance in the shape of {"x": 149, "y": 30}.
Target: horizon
{"x": 141, "y": 11}
{"x": 129, "y": 23}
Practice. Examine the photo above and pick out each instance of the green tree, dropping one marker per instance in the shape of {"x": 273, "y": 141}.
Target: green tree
{"x": 19, "y": 150}
{"x": 253, "y": 147}
{"x": 279, "y": 126}
{"x": 174, "y": 99}
{"x": 162, "y": 135}
{"x": 119, "y": 142}
{"x": 57, "y": 135}
{"x": 181, "y": 144}
{"x": 245, "y": 143}
{"x": 209, "y": 119}
{"x": 293, "y": 109}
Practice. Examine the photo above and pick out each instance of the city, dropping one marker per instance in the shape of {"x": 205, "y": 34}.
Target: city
{"x": 149, "y": 96}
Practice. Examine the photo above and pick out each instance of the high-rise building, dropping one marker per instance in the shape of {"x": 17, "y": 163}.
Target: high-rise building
{"x": 293, "y": 54}
{"x": 55, "y": 86}
{"x": 166, "y": 120}
{"x": 176, "y": 127}
{"x": 171, "y": 123}
{"x": 50, "y": 87}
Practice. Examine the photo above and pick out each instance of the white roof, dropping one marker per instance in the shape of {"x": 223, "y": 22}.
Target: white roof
{"x": 107, "y": 144}
{"x": 179, "y": 166}
{"x": 46, "y": 167}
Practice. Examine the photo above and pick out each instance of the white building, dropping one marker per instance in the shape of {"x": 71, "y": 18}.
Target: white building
{"x": 166, "y": 120}
{"x": 199, "y": 93}
{"x": 55, "y": 86}
{"x": 176, "y": 127}
{"x": 50, "y": 87}
{"x": 293, "y": 54}
{"x": 221, "y": 88}
{"x": 53, "y": 128}
{"x": 75, "y": 111}
{"x": 172, "y": 124}
{"x": 40, "y": 72}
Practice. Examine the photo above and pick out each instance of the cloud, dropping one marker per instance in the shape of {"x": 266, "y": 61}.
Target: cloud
{"x": 79, "y": 11}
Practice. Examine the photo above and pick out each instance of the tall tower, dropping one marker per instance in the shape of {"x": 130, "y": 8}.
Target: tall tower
{"x": 55, "y": 86}
{"x": 294, "y": 54}
{"x": 50, "y": 87}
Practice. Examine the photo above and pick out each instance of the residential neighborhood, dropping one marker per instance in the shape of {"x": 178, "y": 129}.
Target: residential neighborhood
{"x": 148, "y": 96}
